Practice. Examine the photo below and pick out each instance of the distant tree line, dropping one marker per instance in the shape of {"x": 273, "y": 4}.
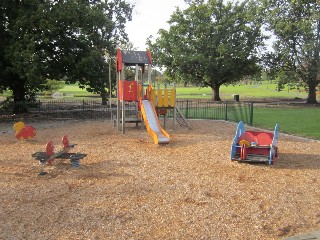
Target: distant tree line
{"x": 211, "y": 43}
{"x": 217, "y": 42}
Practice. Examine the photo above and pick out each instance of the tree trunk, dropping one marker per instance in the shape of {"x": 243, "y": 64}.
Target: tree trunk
{"x": 103, "y": 95}
{"x": 312, "y": 79}
{"x": 18, "y": 91}
{"x": 19, "y": 96}
{"x": 314, "y": 70}
{"x": 216, "y": 93}
{"x": 312, "y": 95}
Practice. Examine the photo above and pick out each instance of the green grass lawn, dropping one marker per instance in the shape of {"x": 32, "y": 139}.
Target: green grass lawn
{"x": 69, "y": 91}
{"x": 295, "y": 120}
{"x": 246, "y": 92}
{"x": 264, "y": 90}
{"x": 298, "y": 121}
{"x": 73, "y": 90}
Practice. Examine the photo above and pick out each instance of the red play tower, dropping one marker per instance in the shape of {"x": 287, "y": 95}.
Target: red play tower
{"x": 131, "y": 90}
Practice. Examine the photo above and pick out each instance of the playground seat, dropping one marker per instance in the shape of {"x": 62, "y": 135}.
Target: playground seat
{"x": 247, "y": 138}
{"x": 264, "y": 138}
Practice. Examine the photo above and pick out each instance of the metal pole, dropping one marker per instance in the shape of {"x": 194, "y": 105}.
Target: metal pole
{"x": 118, "y": 101}
{"x": 187, "y": 109}
{"x": 226, "y": 113}
{"x": 82, "y": 109}
{"x": 174, "y": 108}
{"x": 110, "y": 85}
{"x": 251, "y": 113}
{"x": 123, "y": 102}
{"x": 149, "y": 73}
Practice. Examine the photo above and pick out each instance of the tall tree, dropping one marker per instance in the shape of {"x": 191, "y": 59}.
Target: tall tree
{"x": 54, "y": 39}
{"x": 296, "y": 25}
{"x": 211, "y": 43}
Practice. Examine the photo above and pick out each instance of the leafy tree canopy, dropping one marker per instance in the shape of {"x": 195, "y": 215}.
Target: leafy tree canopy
{"x": 55, "y": 39}
{"x": 211, "y": 43}
{"x": 296, "y": 25}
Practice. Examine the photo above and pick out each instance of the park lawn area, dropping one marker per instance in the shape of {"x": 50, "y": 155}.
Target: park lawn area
{"x": 246, "y": 91}
{"x": 263, "y": 90}
{"x": 302, "y": 121}
{"x": 70, "y": 91}
{"x": 73, "y": 90}
{"x": 260, "y": 91}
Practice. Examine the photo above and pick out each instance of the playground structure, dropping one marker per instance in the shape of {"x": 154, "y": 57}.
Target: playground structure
{"x": 49, "y": 156}
{"x": 254, "y": 146}
{"x": 149, "y": 102}
{"x": 24, "y": 132}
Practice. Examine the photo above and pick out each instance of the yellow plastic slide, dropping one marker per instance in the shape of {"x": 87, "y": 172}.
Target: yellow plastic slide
{"x": 152, "y": 123}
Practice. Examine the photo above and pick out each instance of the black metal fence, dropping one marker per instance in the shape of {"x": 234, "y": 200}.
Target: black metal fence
{"x": 207, "y": 109}
{"x": 93, "y": 109}
{"x": 57, "y": 109}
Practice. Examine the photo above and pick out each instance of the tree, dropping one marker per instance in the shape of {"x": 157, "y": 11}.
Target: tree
{"x": 296, "y": 25}
{"x": 52, "y": 86}
{"x": 211, "y": 43}
{"x": 55, "y": 39}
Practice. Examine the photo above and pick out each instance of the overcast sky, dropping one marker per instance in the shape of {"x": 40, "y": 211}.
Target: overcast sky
{"x": 148, "y": 17}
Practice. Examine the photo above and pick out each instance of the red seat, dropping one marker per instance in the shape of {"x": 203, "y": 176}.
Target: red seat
{"x": 264, "y": 139}
{"x": 248, "y": 137}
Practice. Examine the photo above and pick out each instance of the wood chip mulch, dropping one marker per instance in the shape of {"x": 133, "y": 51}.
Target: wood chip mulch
{"x": 129, "y": 188}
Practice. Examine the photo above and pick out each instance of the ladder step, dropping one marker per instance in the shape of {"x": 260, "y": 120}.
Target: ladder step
{"x": 181, "y": 119}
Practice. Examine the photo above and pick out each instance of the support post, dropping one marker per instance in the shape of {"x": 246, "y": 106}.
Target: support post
{"x": 137, "y": 80}
{"x": 251, "y": 113}
{"x": 82, "y": 109}
{"x": 174, "y": 107}
{"x": 187, "y": 109}
{"x": 149, "y": 73}
{"x": 226, "y": 111}
{"x": 110, "y": 87}
{"x": 123, "y": 105}
{"x": 118, "y": 102}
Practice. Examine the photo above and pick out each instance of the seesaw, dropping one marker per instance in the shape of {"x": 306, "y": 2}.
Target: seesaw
{"x": 254, "y": 146}
{"x": 49, "y": 155}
